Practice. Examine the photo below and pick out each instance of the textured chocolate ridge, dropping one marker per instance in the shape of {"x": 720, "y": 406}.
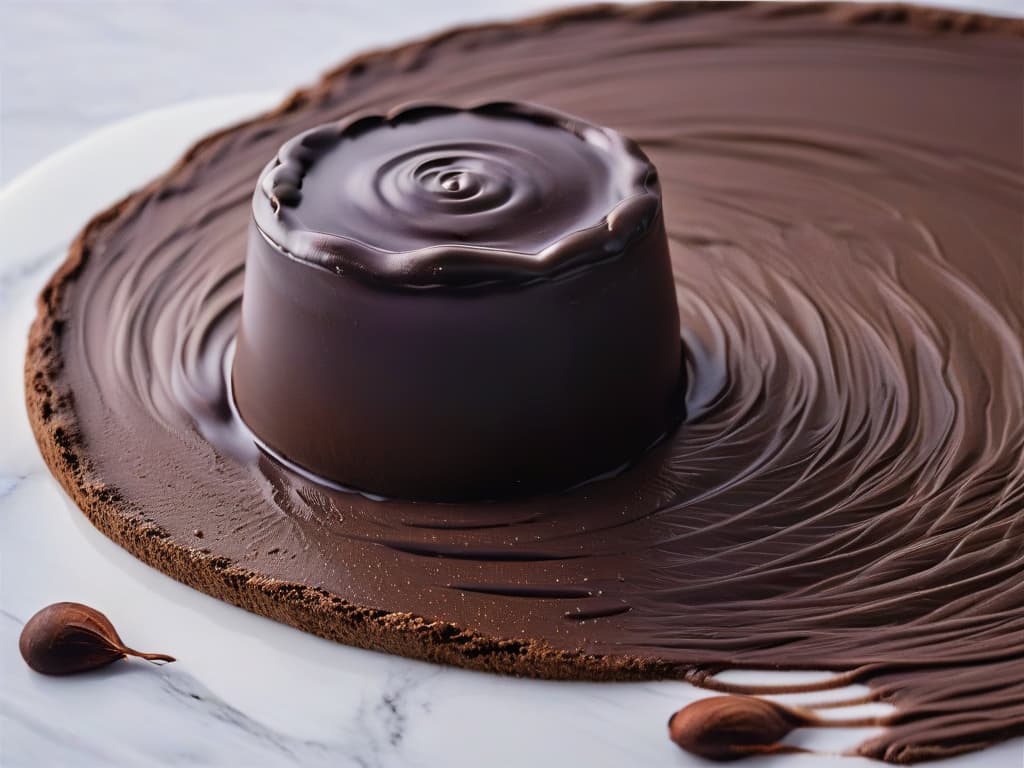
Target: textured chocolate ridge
{"x": 452, "y": 264}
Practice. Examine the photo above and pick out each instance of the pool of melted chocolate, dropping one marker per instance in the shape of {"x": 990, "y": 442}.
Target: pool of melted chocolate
{"x": 843, "y": 193}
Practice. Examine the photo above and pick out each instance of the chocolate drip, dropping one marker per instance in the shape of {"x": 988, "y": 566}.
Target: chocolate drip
{"x": 843, "y": 190}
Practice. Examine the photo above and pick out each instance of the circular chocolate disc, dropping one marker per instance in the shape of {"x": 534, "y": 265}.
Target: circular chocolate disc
{"x": 842, "y": 194}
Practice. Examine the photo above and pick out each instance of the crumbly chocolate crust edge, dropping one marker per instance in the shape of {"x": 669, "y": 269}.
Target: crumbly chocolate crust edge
{"x": 51, "y": 404}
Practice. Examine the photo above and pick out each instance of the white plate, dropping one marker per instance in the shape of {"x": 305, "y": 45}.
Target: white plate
{"x": 247, "y": 691}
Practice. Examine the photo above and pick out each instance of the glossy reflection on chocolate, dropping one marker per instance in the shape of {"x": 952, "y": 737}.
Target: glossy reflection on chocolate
{"x": 430, "y": 196}
{"x": 842, "y": 190}
{"x": 525, "y": 337}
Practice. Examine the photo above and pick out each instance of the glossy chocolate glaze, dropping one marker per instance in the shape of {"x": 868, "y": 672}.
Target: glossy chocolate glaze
{"x": 526, "y": 338}
{"x": 430, "y": 196}
{"x": 842, "y": 191}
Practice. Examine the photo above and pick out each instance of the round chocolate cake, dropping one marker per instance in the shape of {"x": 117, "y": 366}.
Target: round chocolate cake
{"x": 841, "y": 189}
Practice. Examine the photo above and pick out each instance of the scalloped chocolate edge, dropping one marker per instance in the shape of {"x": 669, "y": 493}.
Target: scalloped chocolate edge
{"x": 54, "y": 423}
{"x": 450, "y": 265}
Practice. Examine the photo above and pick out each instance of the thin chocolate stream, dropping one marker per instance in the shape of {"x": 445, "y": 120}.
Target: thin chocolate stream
{"x": 843, "y": 191}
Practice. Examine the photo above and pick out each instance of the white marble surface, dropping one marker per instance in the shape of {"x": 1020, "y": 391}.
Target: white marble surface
{"x": 245, "y": 691}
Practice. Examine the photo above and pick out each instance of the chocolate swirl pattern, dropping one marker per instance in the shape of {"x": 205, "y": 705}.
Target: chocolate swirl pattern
{"x": 460, "y": 180}
{"x": 848, "y": 489}
{"x": 431, "y": 195}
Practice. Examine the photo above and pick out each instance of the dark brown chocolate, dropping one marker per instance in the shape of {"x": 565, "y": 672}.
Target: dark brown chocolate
{"x": 452, "y": 304}
{"x": 842, "y": 189}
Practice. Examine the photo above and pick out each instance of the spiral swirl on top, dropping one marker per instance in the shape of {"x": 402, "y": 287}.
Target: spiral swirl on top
{"x": 438, "y": 195}
{"x": 468, "y": 190}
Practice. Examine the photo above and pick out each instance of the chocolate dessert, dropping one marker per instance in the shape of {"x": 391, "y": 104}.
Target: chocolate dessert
{"x": 841, "y": 188}
{"x": 452, "y": 304}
